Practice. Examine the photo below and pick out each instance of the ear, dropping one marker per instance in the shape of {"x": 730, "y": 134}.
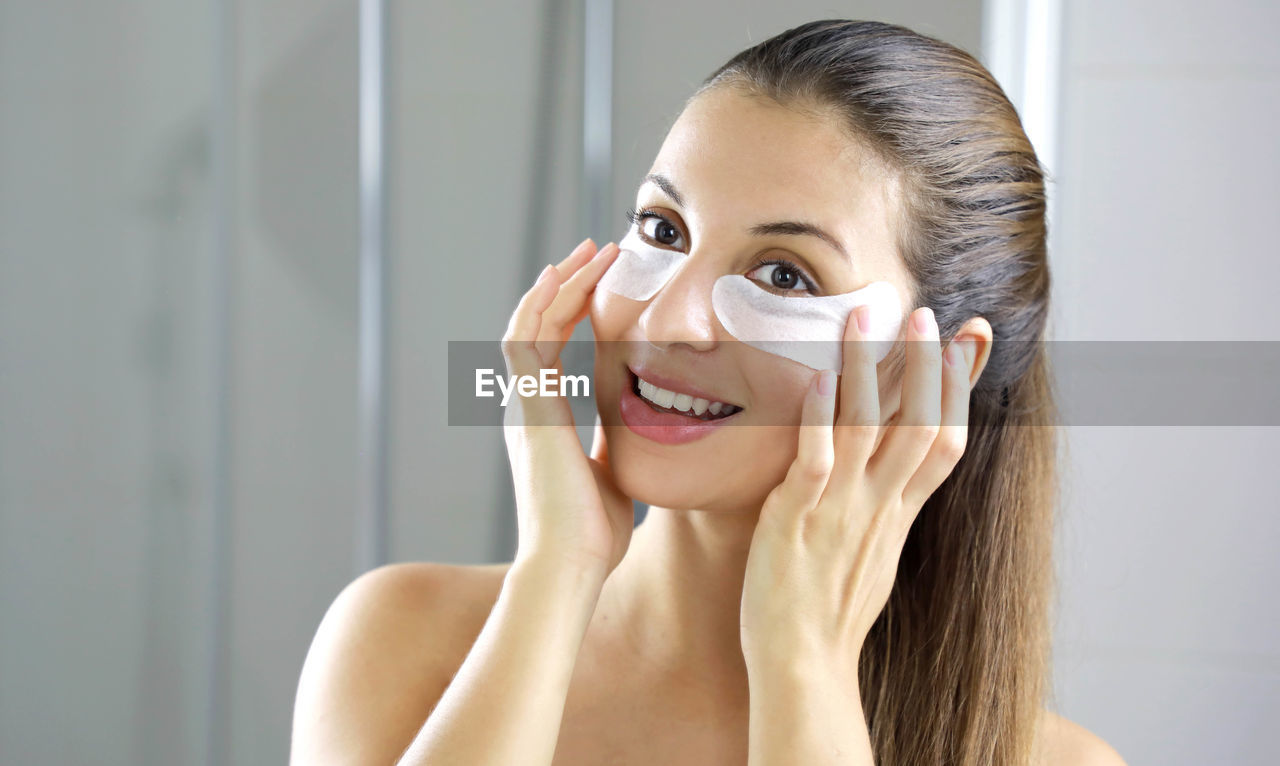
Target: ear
{"x": 975, "y": 338}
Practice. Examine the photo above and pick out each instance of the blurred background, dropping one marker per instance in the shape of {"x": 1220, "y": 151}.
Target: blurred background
{"x": 236, "y": 237}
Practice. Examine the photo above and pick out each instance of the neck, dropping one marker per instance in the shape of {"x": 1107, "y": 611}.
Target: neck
{"x": 672, "y": 605}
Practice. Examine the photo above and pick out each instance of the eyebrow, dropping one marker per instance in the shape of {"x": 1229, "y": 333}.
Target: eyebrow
{"x": 760, "y": 229}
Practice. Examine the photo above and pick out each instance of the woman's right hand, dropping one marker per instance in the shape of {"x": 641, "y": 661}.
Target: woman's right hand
{"x": 569, "y": 508}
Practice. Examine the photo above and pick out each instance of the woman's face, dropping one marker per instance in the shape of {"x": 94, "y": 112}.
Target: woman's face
{"x": 730, "y": 164}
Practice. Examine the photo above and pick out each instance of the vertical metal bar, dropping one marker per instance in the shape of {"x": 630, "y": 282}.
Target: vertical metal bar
{"x": 546, "y": 112}
{"x": 1040, "y": 97}
{"x": 223, "y": 158}
{"x": 1022, "y": 46}
{"x": 597, "y": 134}
{"x": 371, "y": 513}
{"x": 1042, "y": 79}
{"x": 597, "y": 117}
{"x": 1003, "y": 45}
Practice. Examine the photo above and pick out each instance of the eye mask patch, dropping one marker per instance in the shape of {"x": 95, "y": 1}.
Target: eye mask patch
{"x": 640, "y": 270}
{"x": 805, "y": 330}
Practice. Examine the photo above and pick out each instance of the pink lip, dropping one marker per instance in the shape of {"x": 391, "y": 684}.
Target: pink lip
{"x": 663, "y": 427}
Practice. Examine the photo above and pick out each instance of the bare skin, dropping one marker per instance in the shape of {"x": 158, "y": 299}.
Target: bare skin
{"x": 645, "y": 715}
{"x": 410, "y": 629}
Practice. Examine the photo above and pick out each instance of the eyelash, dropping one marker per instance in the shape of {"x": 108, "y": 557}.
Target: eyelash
{"x": 809, "y": 285}
{"x": 634, "y": 218}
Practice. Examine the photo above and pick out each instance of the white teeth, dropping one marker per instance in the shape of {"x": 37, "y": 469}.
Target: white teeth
{"x": 682, "y": 402}
{"x": 664, "y": 398}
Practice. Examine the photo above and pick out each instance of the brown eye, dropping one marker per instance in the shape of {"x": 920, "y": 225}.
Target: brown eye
{"x": 784, "y": 278}
{"x": 663, "y": 231}
{"x": 781, "y": 276}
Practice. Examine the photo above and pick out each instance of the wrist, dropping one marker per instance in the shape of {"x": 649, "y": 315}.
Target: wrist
{"x": 559, "y": 572}
{"x": 804, "y": 667}
{"x": 803, "y": 710}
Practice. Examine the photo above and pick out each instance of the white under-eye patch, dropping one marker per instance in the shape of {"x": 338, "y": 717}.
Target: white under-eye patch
{"x": 808, "y": 330}
{"x": 805, "y": 330}
{"x": 640, "y": 270}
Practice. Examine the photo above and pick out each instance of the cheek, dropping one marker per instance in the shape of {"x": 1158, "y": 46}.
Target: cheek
{"x": 611, "y": 314}
{"x": 778, "y": 386}
{"x": 755, "y": 463}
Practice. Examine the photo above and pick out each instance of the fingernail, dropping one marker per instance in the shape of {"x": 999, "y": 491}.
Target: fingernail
{"x": 953, "y": 354}
{"x": 546, "y": 271}
{"x": 925, "y": 321}
{"x": 864, "y": 319}
{"x": 582, "y": 245}
{"x": 826, "y": 383}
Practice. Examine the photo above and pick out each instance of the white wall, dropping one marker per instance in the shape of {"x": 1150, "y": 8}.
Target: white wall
{"x": 105, "y": 375}
{"x": 1167, "y": 638}
{"x": 108, "y": 375}
{"x": 293, "y": 380}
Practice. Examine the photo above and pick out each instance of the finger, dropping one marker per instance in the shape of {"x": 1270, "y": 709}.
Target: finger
{"x": 953, "y": 433}
{"x": 574, "y": 260}
{"x": 520, "y": 351}
{"x": 573, "y": 321}
{"x": 858, "y": 422}
{"x": 522, "y": 328}
{"x": 570, "y": 303}
{"x": 903, "y": 449}
{"x": 809, "y": 472}
{"x": 568, "y": 267}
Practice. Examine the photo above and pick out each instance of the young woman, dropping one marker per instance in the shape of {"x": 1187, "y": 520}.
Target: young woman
{"x": 849, "y": 569}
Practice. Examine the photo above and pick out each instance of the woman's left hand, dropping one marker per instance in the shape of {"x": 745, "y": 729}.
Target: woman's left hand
{"x": 826, "y": 547}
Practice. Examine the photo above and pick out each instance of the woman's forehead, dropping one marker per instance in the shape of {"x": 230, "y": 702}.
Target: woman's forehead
{"x": 736, "y": 162}
{"x": 736, "y": 159}
{"x": 744, "y": 156}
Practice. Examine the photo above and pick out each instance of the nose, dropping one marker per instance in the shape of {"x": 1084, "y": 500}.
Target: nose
{"x": 681, "y": 312}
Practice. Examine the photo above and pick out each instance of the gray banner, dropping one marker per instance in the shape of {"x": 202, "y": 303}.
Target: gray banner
{"x": 1096, "y": 383}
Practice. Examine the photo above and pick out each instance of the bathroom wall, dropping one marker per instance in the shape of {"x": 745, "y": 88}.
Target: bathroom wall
{"x": 1166, "y": 643}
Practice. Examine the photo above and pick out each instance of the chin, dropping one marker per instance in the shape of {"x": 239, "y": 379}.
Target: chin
{"x": 682, "y": 480}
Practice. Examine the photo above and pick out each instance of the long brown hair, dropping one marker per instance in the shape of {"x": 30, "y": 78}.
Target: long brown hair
{"x": 956, "y": 668}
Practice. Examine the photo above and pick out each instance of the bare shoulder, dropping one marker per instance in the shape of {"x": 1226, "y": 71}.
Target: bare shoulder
{"x": 1067, "y": 743}
{"x": 383, "y": 655}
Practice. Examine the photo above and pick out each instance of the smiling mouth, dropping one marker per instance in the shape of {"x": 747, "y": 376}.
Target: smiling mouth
{"x": 665, "y": 400}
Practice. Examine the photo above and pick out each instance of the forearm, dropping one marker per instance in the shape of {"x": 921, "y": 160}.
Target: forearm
{"x": 505, "y": 703}
{"x": 803, "y": 713}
